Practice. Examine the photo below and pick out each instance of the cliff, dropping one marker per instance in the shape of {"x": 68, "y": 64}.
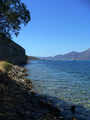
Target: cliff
{"x": 12, "y": 52}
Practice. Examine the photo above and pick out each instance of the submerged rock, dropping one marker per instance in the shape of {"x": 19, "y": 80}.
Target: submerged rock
{"x": 73, "y": 109}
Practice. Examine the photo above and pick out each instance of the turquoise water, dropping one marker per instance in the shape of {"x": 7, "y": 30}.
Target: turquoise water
{"x": 68, "y": 81}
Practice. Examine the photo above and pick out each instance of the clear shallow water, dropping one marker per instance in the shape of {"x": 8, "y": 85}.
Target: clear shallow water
{"x": 66, "y": 80}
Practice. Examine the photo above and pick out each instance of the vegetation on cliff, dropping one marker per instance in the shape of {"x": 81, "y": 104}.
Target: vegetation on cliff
{"x": 5, "y": 66}
{"x": 13, "y": 15}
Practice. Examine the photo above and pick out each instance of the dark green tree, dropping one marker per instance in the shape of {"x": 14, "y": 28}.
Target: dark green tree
{"x": 13, "y": 15}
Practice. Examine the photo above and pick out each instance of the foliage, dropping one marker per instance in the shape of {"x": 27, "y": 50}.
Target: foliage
{"x": 13, "y": 14}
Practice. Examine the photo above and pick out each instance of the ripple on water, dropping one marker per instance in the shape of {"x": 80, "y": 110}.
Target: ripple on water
{"x": 68, "y": 81}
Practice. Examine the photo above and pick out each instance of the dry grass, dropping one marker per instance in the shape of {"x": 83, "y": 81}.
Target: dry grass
{"x": 5, "y": 66}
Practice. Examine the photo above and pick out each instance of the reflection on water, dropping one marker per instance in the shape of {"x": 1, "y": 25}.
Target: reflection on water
{"x": 67, "y": 80}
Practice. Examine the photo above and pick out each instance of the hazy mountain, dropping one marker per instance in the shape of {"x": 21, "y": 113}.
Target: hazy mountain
{"x": 85, "y": 55}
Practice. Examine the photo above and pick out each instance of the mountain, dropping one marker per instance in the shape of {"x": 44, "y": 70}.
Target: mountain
{"x": 84, "y": 55}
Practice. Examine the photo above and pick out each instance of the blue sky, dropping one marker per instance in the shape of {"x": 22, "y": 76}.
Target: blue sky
{"x": 57, "y": 27}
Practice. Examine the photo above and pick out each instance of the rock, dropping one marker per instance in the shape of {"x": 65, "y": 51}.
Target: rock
{"x": 18, "y": 101}
{"x": 52, "y": 109}
{"x": 12, "y": 52}
{"x": 73, "y": 109}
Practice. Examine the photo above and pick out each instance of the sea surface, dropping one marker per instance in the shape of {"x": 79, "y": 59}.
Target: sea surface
{"x": 67, "y": 81}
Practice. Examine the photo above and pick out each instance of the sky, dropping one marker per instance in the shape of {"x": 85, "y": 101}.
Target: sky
{"x": 56, "y": 27}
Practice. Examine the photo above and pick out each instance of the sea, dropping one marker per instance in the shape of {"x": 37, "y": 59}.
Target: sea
{"x": 64, "y": 83}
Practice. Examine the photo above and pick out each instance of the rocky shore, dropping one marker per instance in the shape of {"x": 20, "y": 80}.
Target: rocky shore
{"x": 19, "y": 102}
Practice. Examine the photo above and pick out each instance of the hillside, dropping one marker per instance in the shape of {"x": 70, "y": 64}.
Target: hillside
{"x": 84, "y": 55}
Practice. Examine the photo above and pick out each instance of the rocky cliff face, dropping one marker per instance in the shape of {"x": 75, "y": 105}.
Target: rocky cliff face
{"x": 12, "y": 52}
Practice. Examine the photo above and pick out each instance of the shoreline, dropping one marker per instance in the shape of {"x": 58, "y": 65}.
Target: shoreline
{"x": 19, "y": 102}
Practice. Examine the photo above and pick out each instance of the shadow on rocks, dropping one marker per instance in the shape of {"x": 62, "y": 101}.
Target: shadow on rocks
{"x": 18, "y": 102}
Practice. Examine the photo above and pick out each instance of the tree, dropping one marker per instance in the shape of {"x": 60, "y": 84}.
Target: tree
{"x": 13, "y": 15}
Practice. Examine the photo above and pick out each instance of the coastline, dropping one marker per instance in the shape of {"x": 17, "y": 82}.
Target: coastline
{"x": 19, "y": 101}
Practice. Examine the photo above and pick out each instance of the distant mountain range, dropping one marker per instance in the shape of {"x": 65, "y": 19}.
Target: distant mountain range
{"x": 85, "y": 55}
